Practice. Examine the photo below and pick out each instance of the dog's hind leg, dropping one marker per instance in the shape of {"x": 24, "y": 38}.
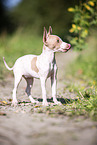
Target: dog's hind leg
{"x": 28, "y": 89}
{"x": 16, "y": 83}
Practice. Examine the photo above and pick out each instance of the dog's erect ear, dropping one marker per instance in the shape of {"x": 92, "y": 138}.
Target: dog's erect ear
{"x": 50, "y": 30}
{"x": 44, "y": 35}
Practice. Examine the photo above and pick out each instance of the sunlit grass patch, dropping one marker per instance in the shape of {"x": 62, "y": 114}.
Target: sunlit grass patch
{"x": 85, "y": 105}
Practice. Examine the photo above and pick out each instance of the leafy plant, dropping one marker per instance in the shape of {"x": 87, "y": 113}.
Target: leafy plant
{"x": 85, "y": 15}
{"x": 83, "y": 73}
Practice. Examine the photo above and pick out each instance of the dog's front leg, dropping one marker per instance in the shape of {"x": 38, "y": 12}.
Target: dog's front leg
{"x": 43, "y": 87}
{"x": 54, "y": 86}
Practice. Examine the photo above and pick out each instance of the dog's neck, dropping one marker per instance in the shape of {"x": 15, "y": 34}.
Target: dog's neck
{"x": 48, "y": 54}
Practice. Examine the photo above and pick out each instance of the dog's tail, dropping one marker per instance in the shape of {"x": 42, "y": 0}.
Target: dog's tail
{"x": 7, "y": 65}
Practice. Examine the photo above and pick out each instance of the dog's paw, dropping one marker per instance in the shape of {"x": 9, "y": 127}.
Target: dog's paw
{"x": 45, "y": 103}
{"x": 57, "y": 103}
{"x": 14, "y": 103}
{"x": 33, "y": 100}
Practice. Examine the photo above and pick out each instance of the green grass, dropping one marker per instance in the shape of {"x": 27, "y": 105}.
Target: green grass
{"x": 83, "y": 81}
{"x": 84, "y": 106}
{"x": 16, "y": 45}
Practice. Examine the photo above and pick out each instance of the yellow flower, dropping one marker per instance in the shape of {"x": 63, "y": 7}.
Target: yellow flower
{"x": 86, "y": 31}
{"x": 73, "y": 26}
{"x": 91, "y": 3}
{"x": 79, "y": 28}
{"x": 71, "y": 30}
{"x": 36, "y": 106}
{"x": 87, "y": 7}
{"x": 4, "y": 102}
{"x": 71, "y": 9}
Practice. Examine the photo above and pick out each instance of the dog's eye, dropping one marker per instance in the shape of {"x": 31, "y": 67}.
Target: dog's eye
{"x": 58, "y": 40}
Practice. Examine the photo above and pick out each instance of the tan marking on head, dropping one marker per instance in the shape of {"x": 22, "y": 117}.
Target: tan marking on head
{"x": 33, "y": 64}
{"x": 53, "y": 42}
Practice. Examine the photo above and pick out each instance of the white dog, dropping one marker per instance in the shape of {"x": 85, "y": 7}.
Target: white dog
{"x": 40, "y": 67}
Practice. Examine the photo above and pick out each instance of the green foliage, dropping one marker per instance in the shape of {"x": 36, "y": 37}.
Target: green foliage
{"x": 85, "y": 15}
{"x": 83, "y": 73}
{"x": 19, "y": 44}
{"x": 85, "y": 66}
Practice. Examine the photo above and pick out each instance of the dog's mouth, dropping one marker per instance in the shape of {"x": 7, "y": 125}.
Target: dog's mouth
{"x": 63, "y": 49}
{"x": 66, "y": 49}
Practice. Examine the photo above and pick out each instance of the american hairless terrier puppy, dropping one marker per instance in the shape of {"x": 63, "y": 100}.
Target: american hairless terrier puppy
{"x": 42, "y": 67}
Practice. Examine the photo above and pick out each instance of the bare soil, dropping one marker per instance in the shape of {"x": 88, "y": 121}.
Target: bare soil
{"x": 21, "y": 126}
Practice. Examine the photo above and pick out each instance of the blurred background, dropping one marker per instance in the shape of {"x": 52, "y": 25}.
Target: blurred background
{"x": 22, "y": 23}
{"x": 34, "y": 15}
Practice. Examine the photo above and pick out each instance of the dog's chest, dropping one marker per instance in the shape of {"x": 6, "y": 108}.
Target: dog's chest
{"x": 51, "y": 69}
{"x": 46, "y": 68}
{"x": 51, "y": 66}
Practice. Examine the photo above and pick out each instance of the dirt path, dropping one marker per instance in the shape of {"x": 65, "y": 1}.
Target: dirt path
{"x": 20, "y": 126}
